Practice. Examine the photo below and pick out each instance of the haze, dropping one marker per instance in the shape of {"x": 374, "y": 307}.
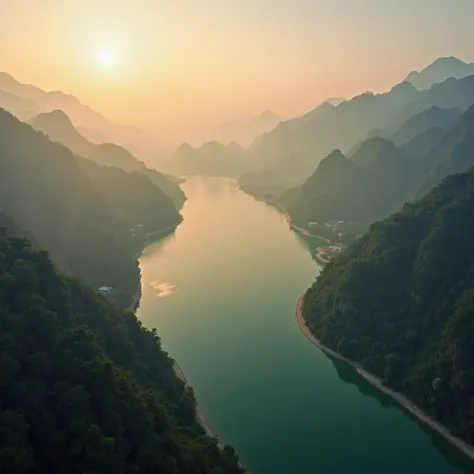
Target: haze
{"x": 184, "y": 66}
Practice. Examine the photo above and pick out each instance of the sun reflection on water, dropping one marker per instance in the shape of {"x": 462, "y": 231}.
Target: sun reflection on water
{"x": 165, "y": 288}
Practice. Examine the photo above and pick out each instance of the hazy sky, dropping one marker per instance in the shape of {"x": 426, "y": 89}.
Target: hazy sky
{"x": 183, "y": 65}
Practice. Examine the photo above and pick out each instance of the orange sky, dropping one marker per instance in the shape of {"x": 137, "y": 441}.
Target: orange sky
{"x": 184, "y": 65}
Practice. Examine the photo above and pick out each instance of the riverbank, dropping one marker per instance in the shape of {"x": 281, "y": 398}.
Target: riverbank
{"x": 292, "y": 225}
{"x": 200, "y": 415}
{"x": 321, "y": 256}
{"x": 136, "y": 297}
{"x": 401, "y": 399}
{"x": 149, "y": 238}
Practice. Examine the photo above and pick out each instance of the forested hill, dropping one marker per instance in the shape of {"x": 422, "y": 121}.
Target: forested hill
{"x": 380, "y": 177}
{"x": 369, "y": 186}
{"x": 131, "y": 196}
{"x": 83, "y": 217}
{"x": 400, "y": 301}
{"x": 59, "y": 128}
{"x": 84, "y": 388}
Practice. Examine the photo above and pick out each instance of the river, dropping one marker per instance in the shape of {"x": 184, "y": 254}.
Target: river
{"x": 221, "y": 292}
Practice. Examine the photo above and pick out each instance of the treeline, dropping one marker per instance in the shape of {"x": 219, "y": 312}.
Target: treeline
{"x": 84, "y": 387}
{"x": 400, "y": 301}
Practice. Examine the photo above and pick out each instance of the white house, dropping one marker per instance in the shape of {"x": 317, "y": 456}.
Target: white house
{"x": 105, "y": 289}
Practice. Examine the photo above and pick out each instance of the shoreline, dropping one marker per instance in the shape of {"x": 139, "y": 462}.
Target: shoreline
{"x": 293, "y": 226}
{"x": 158, "y": 234}
{"x": 405, "y": 403}
{"x": 320, "y": 256}
{"x": 149, "y": 238}
{"x": 136, "y": 297}
{"x": 201, "y": 419}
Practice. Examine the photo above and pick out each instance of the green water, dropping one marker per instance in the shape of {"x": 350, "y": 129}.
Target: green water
{"x": 222, "y": 292}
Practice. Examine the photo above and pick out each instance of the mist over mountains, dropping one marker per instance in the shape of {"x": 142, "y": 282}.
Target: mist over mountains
{"x": 439, "y": 71}
{"x": 78, "y": 187}
{"x": 379, "y": 177}
{"x": 243, "y": 130}
{"x": 293, "y": 150}
{"x": 26, "y": 101}
{"x": 59, "y": 128}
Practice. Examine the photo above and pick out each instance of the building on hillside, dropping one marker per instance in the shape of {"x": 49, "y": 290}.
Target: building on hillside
{"x": 105, "y": 289}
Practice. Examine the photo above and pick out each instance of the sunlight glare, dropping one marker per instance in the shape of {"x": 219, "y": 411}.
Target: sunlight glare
{"x": 106, "y": 57}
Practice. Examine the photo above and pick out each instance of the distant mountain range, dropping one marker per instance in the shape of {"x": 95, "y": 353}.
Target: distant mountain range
{"x": 439, "y": 71}
{"x": 292, "y": 151}
{"x": 400, "y": 134}
{"x": 25, "y": 101}
{"x": 328, "y": 127}
{"x": 379, "y": 177}
{"x": 211, "y": 158}
{"x": 433, "y": 117}
{"x": 244, "y": 130}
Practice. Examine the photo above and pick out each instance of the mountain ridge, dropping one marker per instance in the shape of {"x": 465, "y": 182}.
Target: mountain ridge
{"x": 81, "y": 114}
{"x": 440, "y": 70}
{"x": 59, "y": 127}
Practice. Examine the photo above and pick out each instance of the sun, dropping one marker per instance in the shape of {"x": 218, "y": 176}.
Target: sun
{"x": 106, "y": 57}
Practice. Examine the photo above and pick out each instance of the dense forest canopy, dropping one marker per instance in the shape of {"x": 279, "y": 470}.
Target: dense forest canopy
{"x": 84, "y": 388}
{"x": 400, "y": 301}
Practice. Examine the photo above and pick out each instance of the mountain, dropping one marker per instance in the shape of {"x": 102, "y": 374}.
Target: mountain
{"x": 92, "y": 135}
{"x": 400, "y": 302}
{"x": 329, "y": 127}
{"x": 374, "y": 150}
{"x": 415, "y": 126}
{"x": 439, "y": 71}
{"x": 368, "y": 186}
{"x": 452, "y": 93}
{"x": 335, "y": 101}
{"x": 379, "y": 177}
{"x": 59, "y": 128}
{"x": 424, "y": 143}
{"x": 82, "y": 115}
{"x": 132, "y": 197}
{"x": 433, "y": 117}
{"x": 244, "y": 130}
{"x": 302, "y": 141}
{"x": 43, "y": 187}
{"x": 24, "y": 109}
{"x": 85, "y": 387}
{"x": 454, "y": 153}
{"x": 211, "y": 158}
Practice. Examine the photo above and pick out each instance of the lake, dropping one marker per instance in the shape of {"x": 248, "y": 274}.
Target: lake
{"x": 221, "y": 291}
